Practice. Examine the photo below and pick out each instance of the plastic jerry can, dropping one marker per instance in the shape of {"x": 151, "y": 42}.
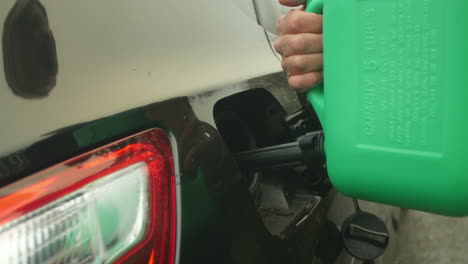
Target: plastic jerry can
{"x": 394, "y": 105}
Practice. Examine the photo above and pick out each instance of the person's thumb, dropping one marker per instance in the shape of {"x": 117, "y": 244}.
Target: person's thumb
{"x": 292, "y": 2}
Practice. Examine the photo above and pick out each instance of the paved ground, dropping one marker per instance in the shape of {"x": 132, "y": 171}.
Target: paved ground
{"x": 427, "y": 239}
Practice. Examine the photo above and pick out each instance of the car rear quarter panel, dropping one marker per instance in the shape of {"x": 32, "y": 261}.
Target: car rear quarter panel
{"x": 115, "y": 55}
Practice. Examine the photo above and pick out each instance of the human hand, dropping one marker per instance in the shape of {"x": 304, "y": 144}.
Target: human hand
{"x": 300, "y": 44}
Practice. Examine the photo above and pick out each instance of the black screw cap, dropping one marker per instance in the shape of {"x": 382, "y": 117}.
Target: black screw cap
{"x": 365, "y": 236}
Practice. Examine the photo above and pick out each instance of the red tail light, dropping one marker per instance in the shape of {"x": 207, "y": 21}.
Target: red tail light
{"x": 116, "y": 204}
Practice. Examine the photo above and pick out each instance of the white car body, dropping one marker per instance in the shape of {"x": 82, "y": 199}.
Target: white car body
{"x": 112, "y": 50}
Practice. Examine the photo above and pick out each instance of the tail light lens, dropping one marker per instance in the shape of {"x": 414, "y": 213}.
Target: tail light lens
{"x": 116, "y": 204}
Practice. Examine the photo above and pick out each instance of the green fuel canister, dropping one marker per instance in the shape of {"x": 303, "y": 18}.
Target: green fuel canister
{"x": 394, "y": 105}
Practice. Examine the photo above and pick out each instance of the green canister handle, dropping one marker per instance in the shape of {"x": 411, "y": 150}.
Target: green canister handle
{"x": 316, "y": 95}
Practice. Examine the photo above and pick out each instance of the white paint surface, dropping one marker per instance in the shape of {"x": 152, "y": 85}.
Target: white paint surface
{"x": 116, "y": 55}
